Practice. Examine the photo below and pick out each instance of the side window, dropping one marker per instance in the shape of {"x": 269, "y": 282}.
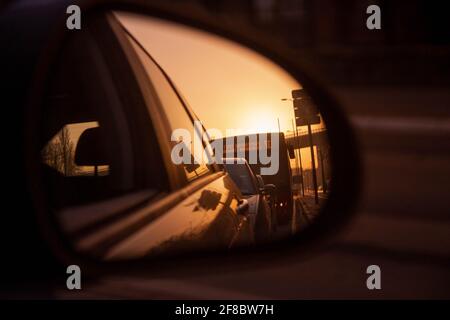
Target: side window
{"x": 59, "y": 152}
{"x": 86, "y": 151}
{"x": 175, "y": 112}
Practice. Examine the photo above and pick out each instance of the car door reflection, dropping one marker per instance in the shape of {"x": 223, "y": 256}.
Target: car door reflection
{"x": 204, "y": 220}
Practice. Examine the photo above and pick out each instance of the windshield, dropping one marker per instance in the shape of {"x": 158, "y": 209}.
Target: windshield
{"x": 241, "y": 175}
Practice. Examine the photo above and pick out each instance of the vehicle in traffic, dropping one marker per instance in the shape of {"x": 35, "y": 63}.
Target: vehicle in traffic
{"x": 283, "y": 197}
{"x": 260, "y": 210}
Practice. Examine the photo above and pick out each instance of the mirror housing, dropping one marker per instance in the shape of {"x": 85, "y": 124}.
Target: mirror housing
{"x": 89, "y": 151}
{"x": 345, "y": 177}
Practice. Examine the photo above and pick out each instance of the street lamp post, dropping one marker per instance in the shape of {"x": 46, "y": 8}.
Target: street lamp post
{"x": 306, "y": 114}
{"x": 313, "y": 164}
{"x": 299, "y": 162}
{"x": 324, "y": 182}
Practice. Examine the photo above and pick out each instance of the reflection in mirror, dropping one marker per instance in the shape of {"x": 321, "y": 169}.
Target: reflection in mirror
{"x": 160, "y": 139}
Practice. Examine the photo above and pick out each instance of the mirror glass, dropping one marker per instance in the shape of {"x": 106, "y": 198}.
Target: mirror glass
{"x": 159, "y": 139}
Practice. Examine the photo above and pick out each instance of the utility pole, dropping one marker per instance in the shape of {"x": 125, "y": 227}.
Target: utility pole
{"x": 324, "y": 181}
{"x": 298, "y": 164}
{"x": 306, "y": 115}
{"x": 297, "y": 139}
{"x": 313, "y": 164}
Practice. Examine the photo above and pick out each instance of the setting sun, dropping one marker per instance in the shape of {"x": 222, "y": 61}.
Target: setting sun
{"x": 262, "y": 121}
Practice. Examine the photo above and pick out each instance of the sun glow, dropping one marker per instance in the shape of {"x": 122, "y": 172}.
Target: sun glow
{"x": 228, "y": 85}
{"x": 261, "y": 121}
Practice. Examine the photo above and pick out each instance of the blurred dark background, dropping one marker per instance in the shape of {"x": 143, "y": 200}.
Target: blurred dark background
{"x": 411, "y": 47}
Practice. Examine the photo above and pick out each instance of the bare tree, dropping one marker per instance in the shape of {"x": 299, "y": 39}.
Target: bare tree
{"x": 51, "y": 156}
{"x": 59, "y": 153}
{"x": 66, "y": 151}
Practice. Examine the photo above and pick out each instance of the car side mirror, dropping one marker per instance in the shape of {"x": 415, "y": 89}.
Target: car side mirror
{"x": 260, "y": 181}
{"x": 89, "y": 150}
{"x": 314, "y": 141}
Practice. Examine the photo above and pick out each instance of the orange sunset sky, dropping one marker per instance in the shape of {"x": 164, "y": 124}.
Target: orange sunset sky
{"x": 227, "y": 85}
